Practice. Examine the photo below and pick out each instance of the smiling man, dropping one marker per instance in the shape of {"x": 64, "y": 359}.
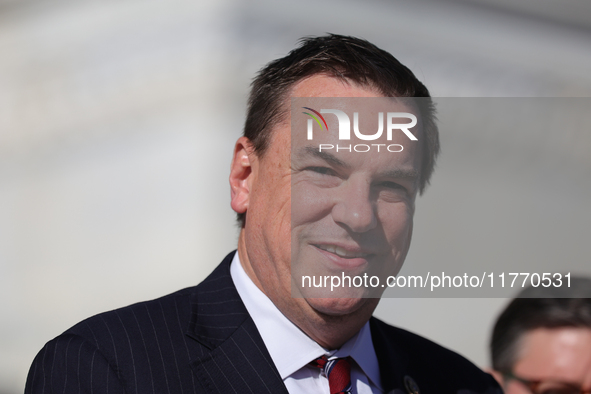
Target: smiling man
{"x": 253, "y": 326}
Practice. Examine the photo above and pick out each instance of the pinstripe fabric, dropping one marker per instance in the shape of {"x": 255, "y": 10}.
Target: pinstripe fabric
{"x": 197, "y": 340}
{"x": 202, "y": 340}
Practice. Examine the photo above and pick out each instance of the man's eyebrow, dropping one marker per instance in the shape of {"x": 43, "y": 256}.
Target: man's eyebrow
{"x": 327, "y": 157}
{"x": 401, "y": 173}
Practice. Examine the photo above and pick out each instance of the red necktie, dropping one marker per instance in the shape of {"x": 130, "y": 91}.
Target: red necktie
{"x": 338, "y": 372}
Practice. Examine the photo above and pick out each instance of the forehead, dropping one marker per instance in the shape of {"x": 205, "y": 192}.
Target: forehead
{"x": 558, "y": 353}
{"x": 365, "y": 110}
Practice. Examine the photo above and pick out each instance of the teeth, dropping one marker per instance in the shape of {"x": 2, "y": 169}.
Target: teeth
{"x": 341, "y": 252}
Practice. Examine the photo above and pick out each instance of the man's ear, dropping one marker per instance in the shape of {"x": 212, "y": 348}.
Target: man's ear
{"x": 240, "y": 174}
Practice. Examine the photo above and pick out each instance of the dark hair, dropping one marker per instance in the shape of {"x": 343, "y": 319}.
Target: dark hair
{"x": 347, "y": 58}
{"x": 525, "y": 314}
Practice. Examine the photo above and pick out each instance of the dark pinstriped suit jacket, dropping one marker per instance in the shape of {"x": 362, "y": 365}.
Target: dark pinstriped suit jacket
{"x": 202, "y": 340}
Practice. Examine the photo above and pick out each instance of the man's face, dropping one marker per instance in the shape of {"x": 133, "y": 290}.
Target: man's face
{"x": 352, "y": 200}
{"x": 351, "y": 213}
{"x": 553, "y": 355}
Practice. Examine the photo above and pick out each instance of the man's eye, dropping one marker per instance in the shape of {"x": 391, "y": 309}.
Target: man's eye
{"x": 391, "y": 185}
{"x": 322, "y": 170}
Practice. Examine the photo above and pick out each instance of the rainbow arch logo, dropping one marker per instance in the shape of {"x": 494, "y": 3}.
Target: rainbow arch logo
{"x": 316, "y": 118}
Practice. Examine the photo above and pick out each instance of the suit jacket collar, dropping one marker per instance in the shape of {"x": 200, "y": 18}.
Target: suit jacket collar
{"x": 216, "y": 308}
{"x": 236, "y": 359}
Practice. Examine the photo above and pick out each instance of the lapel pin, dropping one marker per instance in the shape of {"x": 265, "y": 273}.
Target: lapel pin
{"x": 411, "y": 386}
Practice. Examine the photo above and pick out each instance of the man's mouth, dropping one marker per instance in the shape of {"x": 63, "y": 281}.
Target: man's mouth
{"x": 342, "y": 252}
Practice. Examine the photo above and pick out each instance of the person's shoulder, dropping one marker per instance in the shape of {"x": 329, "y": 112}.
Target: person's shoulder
{"x": 117, "y": 345}
{"x": 168, "y": 313}
{"x": 431, "y": 364}
{"x": 420, "y": 349}
{"x": 137, "y": 319}
{"x": 146, "y": 323}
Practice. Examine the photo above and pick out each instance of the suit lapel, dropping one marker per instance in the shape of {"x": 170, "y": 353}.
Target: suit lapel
{"x": 236, "y": 359}
{"x": 392, "y": 360}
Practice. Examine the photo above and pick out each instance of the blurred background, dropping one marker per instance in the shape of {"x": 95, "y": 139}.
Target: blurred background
{"x": 117, "y": 123}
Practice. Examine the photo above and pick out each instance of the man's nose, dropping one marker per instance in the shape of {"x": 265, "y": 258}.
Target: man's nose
{"x": 355, "y": 209}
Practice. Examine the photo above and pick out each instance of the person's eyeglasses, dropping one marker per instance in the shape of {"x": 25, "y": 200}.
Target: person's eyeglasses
{"x": 547, "y": 386}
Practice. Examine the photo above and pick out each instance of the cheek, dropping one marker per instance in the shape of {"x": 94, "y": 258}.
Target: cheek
{"x": 277, "y": 225}
{"x": 397, "y": 222}
{"x": 268, "y": 218}
{"x": 309, "y": 204}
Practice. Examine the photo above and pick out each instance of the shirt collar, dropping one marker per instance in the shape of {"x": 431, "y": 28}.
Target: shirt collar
{"x": 360, "y": 348}
{"x": 289, "y": 347}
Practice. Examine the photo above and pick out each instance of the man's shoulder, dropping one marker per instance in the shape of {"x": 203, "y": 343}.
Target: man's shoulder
{"x": 147, "y": 345}
{"x": 418, "y": 348}
{"x": 116, "y": 349}
{"x": 171, "y": 313}
{"x": 433, "y": 367}
{"x": 137, "y": 317}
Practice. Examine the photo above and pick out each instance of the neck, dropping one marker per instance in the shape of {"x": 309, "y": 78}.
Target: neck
{"x": 331, "y": 332}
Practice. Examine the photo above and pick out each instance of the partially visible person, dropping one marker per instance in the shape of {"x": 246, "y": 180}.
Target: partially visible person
{"x": 543, "y": 345}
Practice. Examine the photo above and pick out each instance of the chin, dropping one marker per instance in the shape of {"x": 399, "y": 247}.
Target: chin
{"x": 341, "y": 306}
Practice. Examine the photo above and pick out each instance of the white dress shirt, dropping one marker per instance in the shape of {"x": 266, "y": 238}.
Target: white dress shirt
{"x": 292, "y": 350}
